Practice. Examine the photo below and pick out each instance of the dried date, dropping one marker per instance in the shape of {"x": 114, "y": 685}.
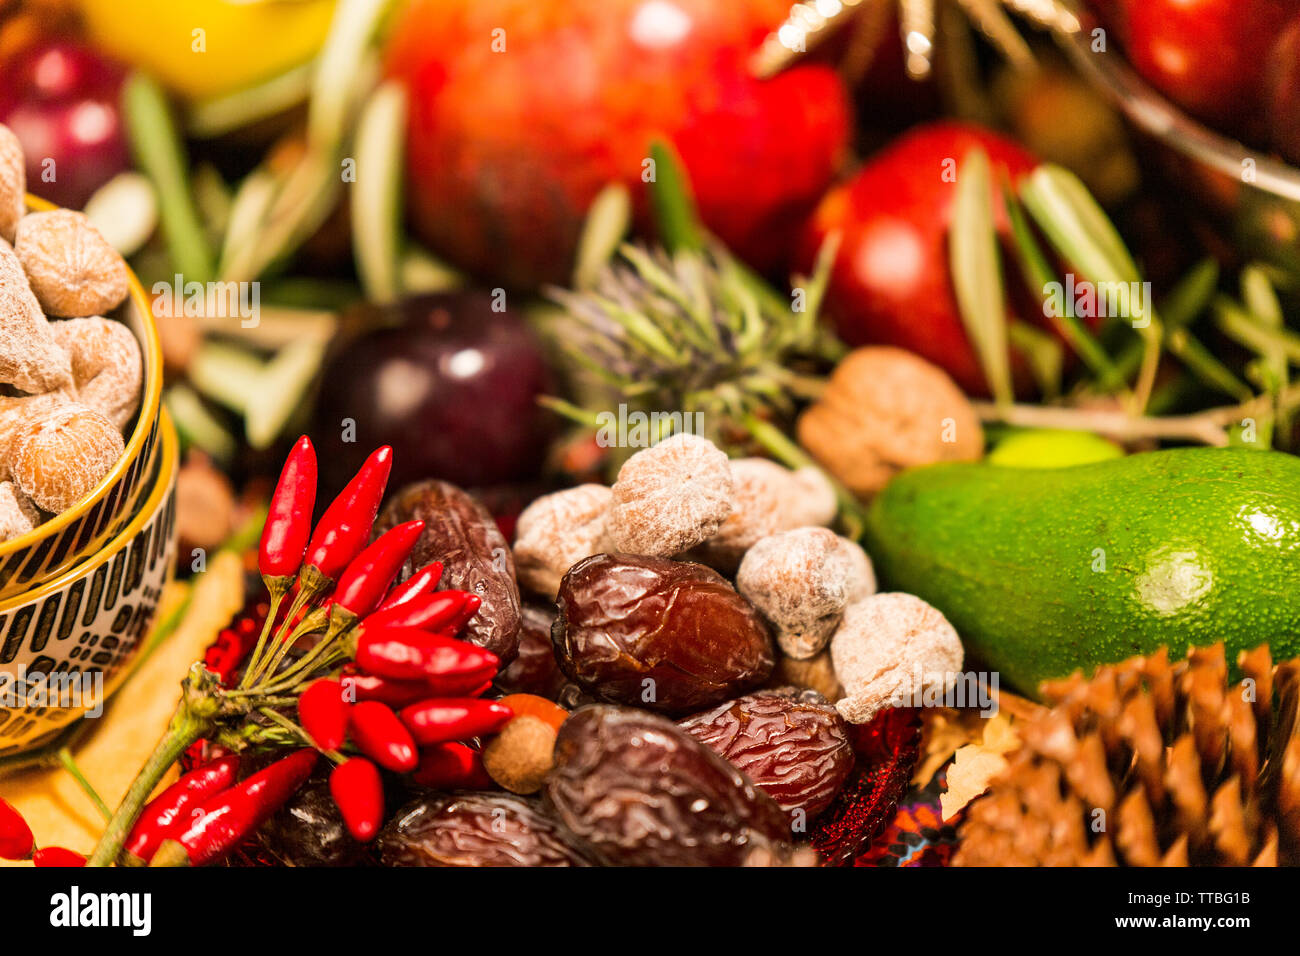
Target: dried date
{"x": 476, "y": 829}
{"x": 640, "y": 791}
{"x": 534, "y": 670}
{"x": 793, "y": 745}
{"x": 670, "y": 636}
{"x": 459, "y": 532}
{"x": 309, "y": 831}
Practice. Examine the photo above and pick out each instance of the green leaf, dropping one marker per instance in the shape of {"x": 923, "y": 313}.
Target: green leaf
{"x": 977, "y": 272}
{"x": 608, "y": 219}
{"x": 376, "y": 196}
{"x": 1045, "y": 355}
{"x": 672, "y": 201}
{"x": 1076, "y": 225}
{"x": 1037, "y": 272}
{"x": 160, "y": 155}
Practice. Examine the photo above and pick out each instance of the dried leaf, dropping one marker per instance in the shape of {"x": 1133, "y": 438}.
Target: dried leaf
{"x": 975, "y": 765}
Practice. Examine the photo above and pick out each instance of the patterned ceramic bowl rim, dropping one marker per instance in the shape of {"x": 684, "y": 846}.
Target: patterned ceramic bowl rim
{"x": 163, "y": 478}
{"x": 150, "y": 399}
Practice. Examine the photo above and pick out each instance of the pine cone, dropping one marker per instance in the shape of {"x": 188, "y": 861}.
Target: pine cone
{"x": 1151, "y": 764}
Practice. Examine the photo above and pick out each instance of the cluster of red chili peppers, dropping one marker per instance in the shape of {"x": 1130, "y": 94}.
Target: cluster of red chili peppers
{"x": 373, "y": 674}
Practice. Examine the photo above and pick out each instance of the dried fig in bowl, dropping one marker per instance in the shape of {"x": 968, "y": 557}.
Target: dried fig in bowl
{"x": 459, "y": 532}
{"x": 666, "y": 635}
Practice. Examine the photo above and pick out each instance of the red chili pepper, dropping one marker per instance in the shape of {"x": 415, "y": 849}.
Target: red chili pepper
{"x": 288, "y": 520}
{"x": 57, "y": 856}
{"x": 386, "y": 690}
{"x": 16, "y": 840}
{"x": 421, "y": 582}
{"x": 440, "y": 719}
{"x": 451, "y": 766}
{"x": 382, "y": 737}
{"x": 399, "y": 693}
{"x": 358, "y": 792}
{"x": 468, "y": 610}
{"x": 323, "y": 713}
{"x": 223, "y": 820}
{"x": 345, "y": 527}
{"x": 371, "y": 573}
{"x": 429, "y": 612}
{"x": 168, "y": 810}
{"x": 409, "y": 654}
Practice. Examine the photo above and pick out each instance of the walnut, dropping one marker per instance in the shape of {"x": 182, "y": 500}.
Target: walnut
{"x": 891, "y": 647}
{"x": 17, "y": 513}
{"x": 886, "y": 409}
{"x": 30, "y": 359}
{"x": 106, "y": 365}
{"x": 71, "y": 267}
{"x": 58, "y": 458}
{"x": 13, "y": 183}
{"x": 557, "y": 531}
{"x": 768, "y": 498}
{"x": 802, "y": 580}
{"x": 671, "y": 496}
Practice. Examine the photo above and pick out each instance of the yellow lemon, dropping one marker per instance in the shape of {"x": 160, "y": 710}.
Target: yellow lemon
{"x": 203, "y": 48}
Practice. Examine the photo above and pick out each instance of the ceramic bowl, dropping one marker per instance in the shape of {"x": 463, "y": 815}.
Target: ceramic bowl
{"x": 86, "y": 626}
{"x": 64, "y": 541}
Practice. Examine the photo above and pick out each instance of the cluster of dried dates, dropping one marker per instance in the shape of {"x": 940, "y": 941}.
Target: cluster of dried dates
{"x": 677, "y": 749}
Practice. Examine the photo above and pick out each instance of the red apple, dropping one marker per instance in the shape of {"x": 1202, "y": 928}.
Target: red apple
{"x": 1282, "y": 96}
{"x": 61, "y": 100}
{"x": 522, "y": 110}
{"x": 891, "y": 282}
{"x": 1208, "y": 56}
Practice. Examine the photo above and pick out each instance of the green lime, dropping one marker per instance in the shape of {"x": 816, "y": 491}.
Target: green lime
{"x": 1052, "y": 448}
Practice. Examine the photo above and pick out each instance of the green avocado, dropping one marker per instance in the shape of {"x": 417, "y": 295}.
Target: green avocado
{"x": 1043, "y": 572}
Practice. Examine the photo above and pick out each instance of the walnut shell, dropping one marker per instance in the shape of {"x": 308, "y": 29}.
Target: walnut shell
{"x": 886, "y": 409}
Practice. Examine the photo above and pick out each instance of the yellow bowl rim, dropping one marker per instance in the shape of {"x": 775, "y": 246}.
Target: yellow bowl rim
{"x": 169, "y": 448}
{"x": 150, "y": 401}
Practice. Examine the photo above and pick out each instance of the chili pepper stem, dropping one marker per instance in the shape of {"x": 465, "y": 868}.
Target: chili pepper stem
{"x": 277, "y": 598}
{"x": 170, "y": 853}
{"x": 311, "y": 585}
{"x": 193, "y": 719}
{"x": 340, "y": 620}
{"x": 69, "y": 763}
{"x": 309, "y": 625}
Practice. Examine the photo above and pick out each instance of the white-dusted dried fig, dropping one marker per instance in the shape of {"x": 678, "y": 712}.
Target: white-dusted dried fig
{"x": 59, "y": 457}
{"x": 890, "y": 649}
{"x": 30, "y": 359}
{"x": 767, "y": 498}
{"x": 802, "y": 580}
{"x": 557, "y": 531}
{"x": 17, "y": 514}
{"x": 671, "y": 496}
{"x": 106, "y": 365}
{"x": 71, "y": 267}
{"x": 13, "y": 183}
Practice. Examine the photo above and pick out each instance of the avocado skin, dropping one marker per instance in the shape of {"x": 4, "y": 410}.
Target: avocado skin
{"x": 1200, "y": 545}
